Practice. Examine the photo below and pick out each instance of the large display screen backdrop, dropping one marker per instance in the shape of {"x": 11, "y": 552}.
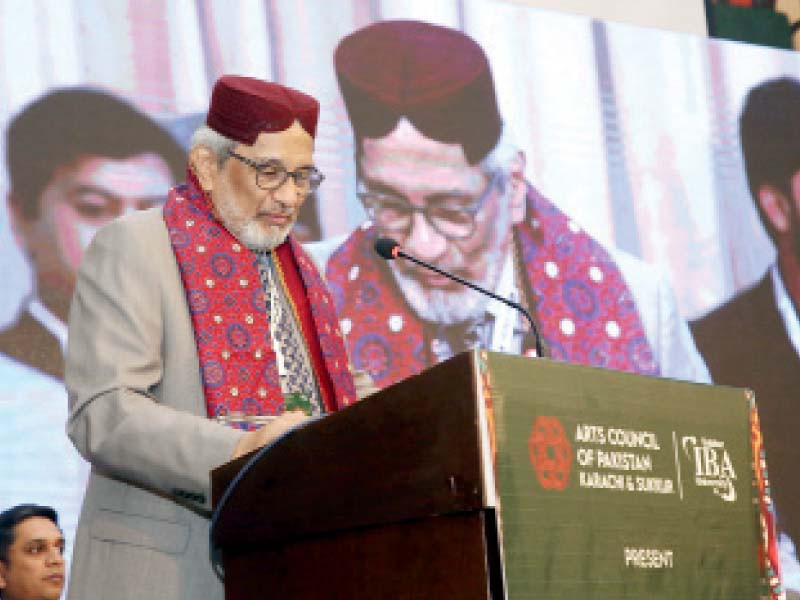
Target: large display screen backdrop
{"x": 632, "y": 132}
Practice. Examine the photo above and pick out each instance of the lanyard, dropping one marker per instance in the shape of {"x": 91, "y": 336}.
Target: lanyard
{"x": 276, "y": 318}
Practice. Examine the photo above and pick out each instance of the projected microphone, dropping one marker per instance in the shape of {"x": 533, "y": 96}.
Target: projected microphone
{"x": 389, "y": 249}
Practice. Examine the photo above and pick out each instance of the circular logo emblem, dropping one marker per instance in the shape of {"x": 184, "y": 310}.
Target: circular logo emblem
{"x": 550, "y": 453}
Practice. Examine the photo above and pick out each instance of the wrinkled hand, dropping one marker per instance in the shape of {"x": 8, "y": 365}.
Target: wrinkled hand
{"x": 253, "y": 440}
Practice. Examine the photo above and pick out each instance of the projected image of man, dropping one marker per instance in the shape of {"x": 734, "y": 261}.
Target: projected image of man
{"x": 753, "y": 340}
{"x": 77, "y": 158}
{"x": 439, "y": 172}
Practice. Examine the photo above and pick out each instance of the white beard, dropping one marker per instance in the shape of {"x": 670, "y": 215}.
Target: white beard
{"x": 451, "y": 307}
{"x": 254, "y": 237}
{"x": 444, "y": 306}
{"x": 247, "y": 230}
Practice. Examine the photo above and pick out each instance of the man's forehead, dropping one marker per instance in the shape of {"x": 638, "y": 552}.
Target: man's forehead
{"x": 143, "y": 174}
{"x": 407, "y": 154}
{"x": 128, "y": 164}
{"x": 293, "y": 141}
{"x": 34, "y": 528}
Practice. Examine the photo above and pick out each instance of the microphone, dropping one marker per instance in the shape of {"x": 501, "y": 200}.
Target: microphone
{"x": 389, "y": 249}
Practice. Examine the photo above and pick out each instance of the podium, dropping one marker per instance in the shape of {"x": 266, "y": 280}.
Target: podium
{"x": 492, "y": 476}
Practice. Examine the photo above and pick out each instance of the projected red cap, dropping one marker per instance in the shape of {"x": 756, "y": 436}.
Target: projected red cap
{"x": 243, "y": 107}
{"x": 438, "y": 78}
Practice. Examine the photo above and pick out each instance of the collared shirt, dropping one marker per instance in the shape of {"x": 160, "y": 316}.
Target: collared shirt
{"x": 49, "y": 321}
{"x": 790, "y": 567}
{"x": 506, "y": 335}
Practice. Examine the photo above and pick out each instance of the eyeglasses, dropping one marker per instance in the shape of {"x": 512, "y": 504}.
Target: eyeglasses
{"x": 452, "y": 216}
{"x": 271, "y": 174}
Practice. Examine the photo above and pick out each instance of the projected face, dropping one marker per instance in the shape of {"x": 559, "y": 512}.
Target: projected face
{"x": 405, "y": 169}
{"x": 79, "y": 199}
{"x": 791, "y": 266}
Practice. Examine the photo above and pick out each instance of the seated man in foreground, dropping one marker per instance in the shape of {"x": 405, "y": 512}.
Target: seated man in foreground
{"x": 31, "y": 554}
{"x": 186, "y": 320}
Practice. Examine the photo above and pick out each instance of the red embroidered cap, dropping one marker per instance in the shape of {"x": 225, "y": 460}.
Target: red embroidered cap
{"x": 438, "y": 78}
{"x": 243, "y": 107}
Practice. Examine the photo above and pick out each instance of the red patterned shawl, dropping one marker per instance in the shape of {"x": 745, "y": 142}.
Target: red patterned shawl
{"x": 229, "y": 312}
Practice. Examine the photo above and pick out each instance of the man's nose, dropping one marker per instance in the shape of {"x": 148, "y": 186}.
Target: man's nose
{"x": 55, "y": 556}
{"x": 423, "y": 240}
{"x": 288, "y": 193}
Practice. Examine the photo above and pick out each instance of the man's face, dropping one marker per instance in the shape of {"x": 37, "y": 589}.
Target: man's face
{"x": 782, "y": 209}
{"x": 77, "y": 201}
{"x": 793, "y": 231}
{"x": 415, "y": 169}
{"x": 35, "y": 566}
{"x": 261, "y": 219}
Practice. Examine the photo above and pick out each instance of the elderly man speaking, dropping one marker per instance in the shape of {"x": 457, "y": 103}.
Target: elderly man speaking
{"x": 187, "y": 320}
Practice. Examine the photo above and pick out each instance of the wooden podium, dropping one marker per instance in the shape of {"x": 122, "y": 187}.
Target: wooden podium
{"x": 494, "y": 476}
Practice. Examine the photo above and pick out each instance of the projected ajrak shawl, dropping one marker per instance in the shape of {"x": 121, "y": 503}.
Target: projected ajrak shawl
{"x": 584, "y": 308}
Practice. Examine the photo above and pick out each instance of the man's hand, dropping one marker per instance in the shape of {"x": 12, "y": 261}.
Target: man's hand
{"x": 253, "y": 440}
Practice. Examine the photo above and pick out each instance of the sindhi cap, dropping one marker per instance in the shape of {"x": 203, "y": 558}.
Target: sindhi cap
{"x": 436, "y": 77}
{"x": 243, "y": 107}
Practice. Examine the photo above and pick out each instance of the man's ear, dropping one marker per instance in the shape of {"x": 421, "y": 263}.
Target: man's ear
{"x": 3, "y": 569}
{"x": 204, "y": 164}
{"x": 519, "y": 189}
{"x": 776, "y": 207}
{"x": 20, "y": 224}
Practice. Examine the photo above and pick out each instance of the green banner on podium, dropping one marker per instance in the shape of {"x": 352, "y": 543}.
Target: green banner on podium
{"x": 611, "y": 485}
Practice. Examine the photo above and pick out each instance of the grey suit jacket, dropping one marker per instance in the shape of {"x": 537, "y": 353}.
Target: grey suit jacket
{"x": 137, "y": 413}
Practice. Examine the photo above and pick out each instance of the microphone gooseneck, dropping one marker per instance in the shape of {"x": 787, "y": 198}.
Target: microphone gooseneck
{"x": 389, "y": 249}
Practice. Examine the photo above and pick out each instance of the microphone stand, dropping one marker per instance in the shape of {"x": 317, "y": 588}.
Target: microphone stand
{"x": 469, "y": 284}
